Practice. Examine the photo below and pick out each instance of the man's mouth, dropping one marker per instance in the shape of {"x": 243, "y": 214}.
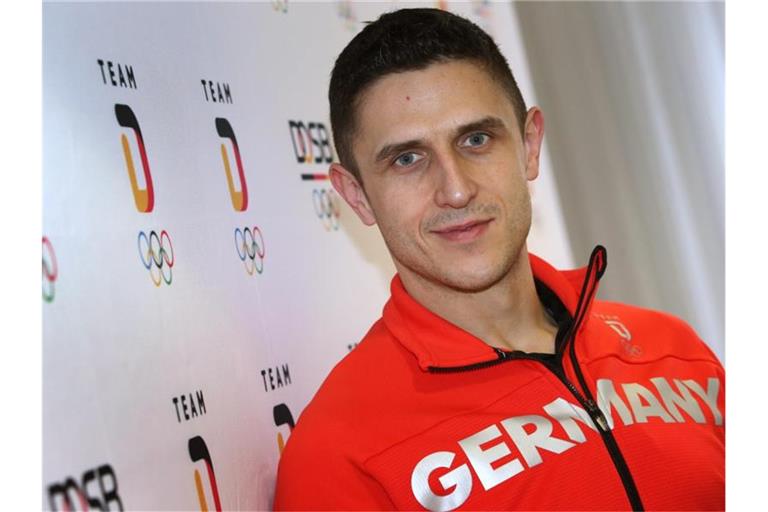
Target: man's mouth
{"x": 465, "y": 232}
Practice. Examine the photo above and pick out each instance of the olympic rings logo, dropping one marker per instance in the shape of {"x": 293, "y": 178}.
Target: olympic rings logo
{"x": 280, "y": 5}
{"x": 156, "y": 252}
{"x": 50, "y": 270}
{"x": 250, "y": 248}
{"x": 345, "y": 12}
{"x": 327, "y": 207}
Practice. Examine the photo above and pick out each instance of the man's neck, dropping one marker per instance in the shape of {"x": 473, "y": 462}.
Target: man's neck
{"x": 507, "y": 315}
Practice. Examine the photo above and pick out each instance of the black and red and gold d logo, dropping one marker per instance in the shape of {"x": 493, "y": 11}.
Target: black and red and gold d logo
{"x": 198, "y": 452}
{"x": 239, "y": 197}
{"x": 282, "y": 416}
{"x": 144, "y": 198}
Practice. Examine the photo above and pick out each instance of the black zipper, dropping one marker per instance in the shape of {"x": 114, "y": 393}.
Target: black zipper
{"x": 585, "y": 298}
{"x": 566, "y": 336}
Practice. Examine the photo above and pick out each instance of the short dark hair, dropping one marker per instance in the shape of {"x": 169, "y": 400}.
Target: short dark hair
{"x": 407, "y": 40}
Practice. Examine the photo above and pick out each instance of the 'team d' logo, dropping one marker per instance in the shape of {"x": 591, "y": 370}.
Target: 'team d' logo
{"x": 239, "y": 198}
{"x": 143, "y": 197}
{"x": 249, "y": 242}
{"x": 198, "y": 451}
{"x": 155, "y": 250}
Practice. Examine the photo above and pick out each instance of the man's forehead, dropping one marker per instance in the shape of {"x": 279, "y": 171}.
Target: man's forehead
{"x": 426, "y": 75}
{"x": 441, "y": 97}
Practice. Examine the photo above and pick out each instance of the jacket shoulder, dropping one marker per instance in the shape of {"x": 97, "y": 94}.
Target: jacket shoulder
{"x": 655, "y": 334}
{"x": 323, "y": 457}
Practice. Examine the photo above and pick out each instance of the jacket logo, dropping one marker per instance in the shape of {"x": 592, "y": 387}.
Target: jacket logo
{"x": 613, "y": 321}
{"x": 532, "y": 433}
{"x": 620, "y": 329}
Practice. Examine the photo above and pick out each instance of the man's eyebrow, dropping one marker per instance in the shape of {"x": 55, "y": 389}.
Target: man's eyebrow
{"x": 486, "y": 123}
{"x": 393, "y": 149}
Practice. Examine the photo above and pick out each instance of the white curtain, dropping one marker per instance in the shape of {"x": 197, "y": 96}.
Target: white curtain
{"x": 633, "y": 98}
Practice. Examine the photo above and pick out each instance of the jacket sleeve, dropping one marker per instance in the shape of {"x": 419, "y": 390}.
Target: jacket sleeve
{"x": 316, "y": 474}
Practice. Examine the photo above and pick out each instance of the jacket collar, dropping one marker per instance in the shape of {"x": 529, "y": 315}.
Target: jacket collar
{"x": 436, "y": 342}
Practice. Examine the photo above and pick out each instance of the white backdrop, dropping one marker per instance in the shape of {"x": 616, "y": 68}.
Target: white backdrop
{"x": 175, "y": 362}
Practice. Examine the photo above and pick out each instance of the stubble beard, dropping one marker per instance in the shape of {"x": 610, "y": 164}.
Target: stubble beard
{"x": 449, "y": 274}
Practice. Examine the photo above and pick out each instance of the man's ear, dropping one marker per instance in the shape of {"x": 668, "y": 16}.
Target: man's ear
{"x": 532, "y": 140}
{"x": 348, "y": 187}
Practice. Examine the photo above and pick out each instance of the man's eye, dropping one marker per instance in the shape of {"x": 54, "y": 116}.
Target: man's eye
{"x": 407, "y": 159}
{"x": 476, "y": 139}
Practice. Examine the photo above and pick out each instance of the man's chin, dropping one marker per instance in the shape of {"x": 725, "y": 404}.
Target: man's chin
{"x": 469, "y": 281}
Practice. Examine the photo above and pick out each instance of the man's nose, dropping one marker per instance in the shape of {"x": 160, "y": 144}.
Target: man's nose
{"x": 455, "y": 183}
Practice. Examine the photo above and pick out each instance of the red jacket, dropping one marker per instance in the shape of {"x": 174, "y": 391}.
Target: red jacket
{"x": 628, "y": 414}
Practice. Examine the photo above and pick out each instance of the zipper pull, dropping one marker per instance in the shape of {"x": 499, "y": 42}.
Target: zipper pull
{"x": 598, "y": 415}
{"x": 501, "y": 353}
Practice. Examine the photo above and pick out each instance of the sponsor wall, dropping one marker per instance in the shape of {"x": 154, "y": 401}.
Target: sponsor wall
{"x": 200, "y": 276}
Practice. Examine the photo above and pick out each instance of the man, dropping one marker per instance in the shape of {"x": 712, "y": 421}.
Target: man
{"x": 492, "y": 380}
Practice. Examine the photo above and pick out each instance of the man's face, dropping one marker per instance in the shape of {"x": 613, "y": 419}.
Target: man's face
{"x": 444, "y": 169}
